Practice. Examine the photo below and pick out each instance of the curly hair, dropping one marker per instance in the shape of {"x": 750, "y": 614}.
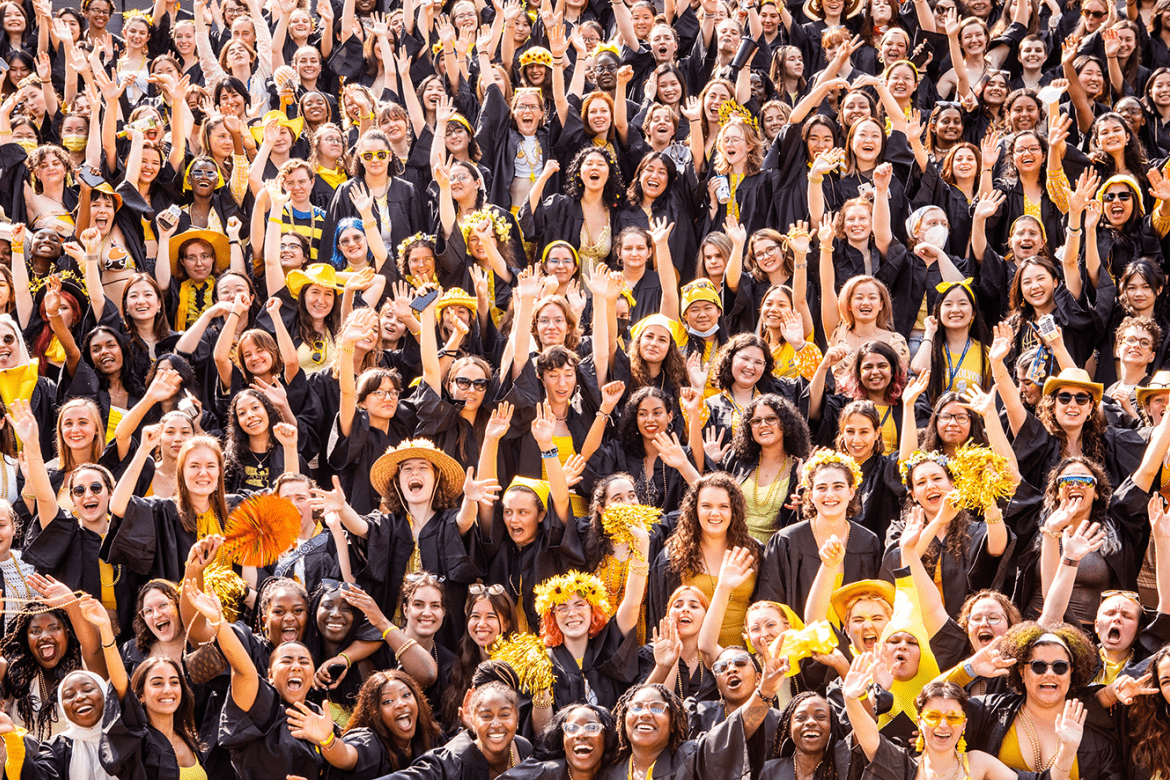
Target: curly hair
{"x": 867, "y": 410}
{"x": 237, "y": 440}
{"x": 809, "y": 509}
{"x": 721, "y": 375}
{"x": 628, "y": 433}
{"x": 550, "y": 744}
{"x": 825, "y": 770}
{"x": 24, "y": 669}
{"x": 598, "y": 545}
{"x": 1099, "y": 513}
{"x": 684, "y": 548}
{"x": 897, "y": 372}
{"x": 1149, "y": 724}
{"x": 550, "y": 632}
{"x": 48, "y": 150}
{"x": 367, "y": 713}
{"x": 674, "y": 365}
{"x": 184, "y": 717}
{"x": 130, "y": 379}
{"x": 929, "y": 439}
{"x": 343, "y": 162}
{"x": 674, "y": 707}
{"x": 420, "y": 241}
{"x": 1017, "y": 644}
{"x": 755, "y": 148}
{"x": 615, "y": 186}
{"x": 1092, "y": 432}
{"x": 958, "y": 531}
{"x": 794, "y": 432}
{"x": 1009, "y": 609}
{"x": 143, "y": 636}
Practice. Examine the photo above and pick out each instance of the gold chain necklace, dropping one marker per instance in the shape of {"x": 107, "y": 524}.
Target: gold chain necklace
{"x": 812, "y": 524}
{"x": 934, "y": 775}
{"x": 1034, "y": 739}
{"x": 775, "y": 484}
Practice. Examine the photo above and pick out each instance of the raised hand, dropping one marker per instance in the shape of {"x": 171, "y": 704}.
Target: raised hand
{"x": 1087, "y": 538}
{"x": 860, "y": 677}
{"x": 987, "y": 205}
{"x": 1070, "y": 724}
{"x": 1159, "y": 519}
{"x": 916, "y": 387}
{"x": 544, "y": 426}
{"x": 1159, "y": 185}
{"x": 305, "y": 724}
{"x": 713, "y": 444}
{"x": 666, "y": 644}
{"x": 832, "y": 552}
{"x": 670, "y": 449}
{"x": 328, "y": 500}
{"x": 736, "y": 568}
{"x": 285, "y": 434}
{"x": 480, "y": 491}
{"x": 22, "y": 420}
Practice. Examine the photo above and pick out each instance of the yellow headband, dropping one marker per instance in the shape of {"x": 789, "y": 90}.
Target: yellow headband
{"x": 944, "y": 287}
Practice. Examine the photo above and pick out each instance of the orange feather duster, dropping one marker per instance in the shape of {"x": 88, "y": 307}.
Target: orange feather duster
{"x": 259, "y": 530}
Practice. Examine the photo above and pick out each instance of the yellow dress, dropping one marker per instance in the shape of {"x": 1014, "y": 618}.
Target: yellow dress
{"x": 1011, "y": 754}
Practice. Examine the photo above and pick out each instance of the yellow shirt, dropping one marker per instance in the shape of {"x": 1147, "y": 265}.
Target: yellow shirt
{"x": 964, "y": 368}
{"x": 732, "y": 630}
{"x": 889, "y": 427}
{"x": 1011, "y": 754}
{"x": 566, "y": 450}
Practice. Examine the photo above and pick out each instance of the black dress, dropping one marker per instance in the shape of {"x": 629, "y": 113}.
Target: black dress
{"x": 609, "y": 667}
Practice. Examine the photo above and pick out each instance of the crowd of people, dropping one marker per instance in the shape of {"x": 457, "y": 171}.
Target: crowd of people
{"x": 440, "y": 390}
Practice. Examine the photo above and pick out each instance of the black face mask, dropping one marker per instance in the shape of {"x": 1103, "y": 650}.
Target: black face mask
{"x": 623, "y": 324}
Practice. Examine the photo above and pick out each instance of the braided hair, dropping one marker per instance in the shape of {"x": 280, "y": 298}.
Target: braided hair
{"x": 24, "y": 670}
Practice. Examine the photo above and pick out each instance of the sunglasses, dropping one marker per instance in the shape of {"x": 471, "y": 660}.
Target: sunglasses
{"x": 199, "y": 173}
{"x": 1129, "y": 594}
{"x": 424, "y": 575}
{"x": 94, "y": 487}
{"x": 1094, "y": 14}
{"x": 1059, "y": 668}
{"x": 589, "y": 729}
{"x": 1082, "y": 399}
{"x": 933, "y": 718}
{"x": 1088, "y": 480}
{"x": 328, "y": 583}
{"x": 740, "y": 661}
{"x": 8, "y": 339}
{"x": 463, "y": 383}
{"x": 377, "y": 154}
{"x": 491, "y": 590}
{"x": 1124, "y": 196}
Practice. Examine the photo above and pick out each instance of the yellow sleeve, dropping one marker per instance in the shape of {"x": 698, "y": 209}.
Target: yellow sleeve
{"x": 239, "y": 181}
{"x": 14, "y": 758}
{"x": 808, "y": 359}
{"x": 1059, "y": 189}
{"x": 1160, "y": 223}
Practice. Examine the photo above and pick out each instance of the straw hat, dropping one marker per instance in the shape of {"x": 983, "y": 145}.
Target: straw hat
{"x": 385, "y": 468}
{"x": 219, "y": 247}
{"x": 320, "y": 274}
{"x": 1159, "y": 383}
{"x": 456, "y": 296}
{"x": 1075, "y": 377}
{"x": 875, "y": 588}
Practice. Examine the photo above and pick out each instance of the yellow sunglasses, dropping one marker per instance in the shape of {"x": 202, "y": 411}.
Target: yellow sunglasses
{"x": 933, "y": 718}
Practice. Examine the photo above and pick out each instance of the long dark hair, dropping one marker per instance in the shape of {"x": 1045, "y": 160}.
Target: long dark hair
{"x": 958, "y": 532}
{"x": 184, "y": 720}
{"x": 978, "y": 334}
{"x": 23, "y": 669}
{"x": 598, "y": 545}
{"x": 793, "y": 429}
{"x": 825, "y": 770}
{"x": 1149, "y": 724}
{"x": 159, "y": 328}
{"x": 930, "y": 441}
{"x": 367, "y": 714}
{"x": 130, "y": 378}
{"x": 468, "y": 660}
{"x": 628, "y": 433}
{"x": 684, "y": 552}
{"x": 634, "y": 192}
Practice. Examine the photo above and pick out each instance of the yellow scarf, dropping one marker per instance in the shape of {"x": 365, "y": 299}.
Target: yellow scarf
{"x": 189, "y": 305}
{"x": 334, "y": 177}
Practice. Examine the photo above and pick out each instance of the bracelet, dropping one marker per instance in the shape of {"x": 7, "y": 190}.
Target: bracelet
{"x": 765, "y": 699}
{"x": 969, "y": 669}
{"x": 558, "y": 60}
{"x": 988, "y": 521}
{"x": 328, "y": 743}
{"x": 387, "y": 631}
{"x": 1066, "y": 771}
{"x": 28, "y": 496}
{"x": 5, "y": 132}
{"x": 815, "y": 179}
{"x": 553, "y": 453}
{"x": 1074, "y": 231}
{"x": 348, "y": 663}
{"x": 215, "y": 626}
{"x": 18, "y": 246}
{"x": 372, "y": 116}
{"x": 409, "y": 643}
{"x": 111, "y": 644}
{"x": 800, "y": 265}
{"x": 1050, "y": 534}
{"x": 863, "y": 695}
{"x": 276, "y": 221}
{"x": 1069, "y": 562}
{"x": 639, "y": 568}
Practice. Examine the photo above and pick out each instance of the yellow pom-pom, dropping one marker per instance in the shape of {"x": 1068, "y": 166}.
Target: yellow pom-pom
{"x": 982, "y": 477}
{"x": 528, "y": 657}
{"x": 228, "y": 586}
{"x": 617, "y": 519}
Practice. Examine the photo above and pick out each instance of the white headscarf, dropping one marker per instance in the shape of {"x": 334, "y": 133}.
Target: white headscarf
{"x": 84, "y": 763}
{"x": 22, "y": 349}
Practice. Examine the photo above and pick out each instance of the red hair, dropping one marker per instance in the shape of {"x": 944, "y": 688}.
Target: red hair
{"x": 551, "y": 634}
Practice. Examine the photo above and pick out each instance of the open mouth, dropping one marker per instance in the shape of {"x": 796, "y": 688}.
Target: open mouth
{"x": 869, "y": 641}
{"x": 405, "y": 721}
{"x": 295, "y": 682}
{"x": 162, "y": 627}
{"x": 985, "y": 636}
{"x": 289, "y": 634}
{"x": 583, "y": 750}
{"x": 82, "y": 709}
{"x": 1113, "y": 635}
{"x": 47, "y": 650}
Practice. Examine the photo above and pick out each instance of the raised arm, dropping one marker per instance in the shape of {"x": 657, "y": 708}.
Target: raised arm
{"x": 1004, "y": 384}
{"x": 1076, "y": 93}
{"x": 96, "y": 615}
{"x": 736, "y": 569}
{"x": 544, "y": 426}
{"x": 830, "y": 310}
{"x": 908, "y": 441}
{"x": 1088, "y": 537}
{"x": 660, "y": 234}
{"x": 44, "y": 497}
{"x": 499, "y": 423}
{"x": 223, "y": 345}
{"x": 883, "y": 234}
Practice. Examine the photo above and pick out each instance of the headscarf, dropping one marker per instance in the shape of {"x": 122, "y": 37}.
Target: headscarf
{"x": 86, "y": 741}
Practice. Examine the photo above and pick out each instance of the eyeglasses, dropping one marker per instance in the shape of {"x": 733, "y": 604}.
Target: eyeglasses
{"x": 1028, "y": 150}
{"x": 94, "y": 487}
{"x": 425, "y": 575}
{"x": 546, "y": 321}
{"x": 560, "y": 261}
{"x": 527, "y": 108}
{"x": 959, "y": 417}
{"x": 1082, "y": 399}
{"x": 1136, "y": 341}
{"x": 462, "y": 178}
{"x": 654, "y": 708}
{"x": 771, "y": 421}
{"x": 463, "y": 383}
{"x": 741, "y": 661}
{"x": 1087, "y": 480}
{"x": 1124, "y": 196}
{"x": 199, "y": 173}
{"x": 491, "y": 590}
{"x": 1059, "y": 668}
{"x": 565, "y": 609}
{"x": 991, "y": 620}
{"x": 374, "y": 154}
{"x": 589, "y": 729}
{"x": 1094, "y": 14}
{"x": 933, "y": 718}
{"x": 384, "y": 395}
{"x": 767, "y": 251}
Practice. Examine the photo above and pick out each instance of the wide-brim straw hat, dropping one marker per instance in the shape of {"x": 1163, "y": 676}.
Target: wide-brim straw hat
{"x": 217, "y": 241}
{"x": 320, "y": 274}
{"x": 385, "y": 468}
{"x": 872, "y": 588}
{"x": 1159, "y": 383}
{"x": 1075, "y": 377}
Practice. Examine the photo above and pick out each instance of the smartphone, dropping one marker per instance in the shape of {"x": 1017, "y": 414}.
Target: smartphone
{"x": 1047, "y": 326}
{"x": 168, "y": 218}
{"x": 91, "y": 176}
{"x": 420, "y": 303}
{"x": 188, "y": 406}
{"x": 336, "y": 670}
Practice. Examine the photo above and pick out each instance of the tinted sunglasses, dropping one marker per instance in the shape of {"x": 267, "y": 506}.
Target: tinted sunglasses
{"x": 933, "y": 718}
{"x": 491, "y": 590}
{"x": 94, "y": 487}
{"x": 740, "y": 661}
{"x": 463, "y": 383}
{"x": 375, "y": 154}
{"x": 1059, "y": 668}
{"x": 1125, "y": 196}
{"x": 1094, "y": 14}
{"x": 1088, "y": 480}
{"x": 1082, "y": 399}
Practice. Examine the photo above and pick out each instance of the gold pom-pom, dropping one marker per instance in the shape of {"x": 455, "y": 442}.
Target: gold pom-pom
{"x": 259, "y": 530}
{"x": 528, "y": 657}
{"x": 617, "y": 519}
{"x": 982, "y": 477}
{"x": 228, "y": 586}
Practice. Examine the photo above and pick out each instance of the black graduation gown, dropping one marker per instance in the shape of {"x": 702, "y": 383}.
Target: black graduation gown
{"x": 380, "y": 562}
{"x": 700, "y": 685}
{"x": 498, "y": 141}
{"x": 404, "y": 206}
{"x": 440, "y": 422}
{"x": 706, "y": 715}
{"x": 150, "y": 539}
{"x": 666, "y": 580}
{"x": 459, "y": 759}
{"x": 609, "y": 667}
{"x": 717, "y": 754}
{"x": 792, "y": 558}
{"x": 881, "y": 494}
{"x": 679, "y": 205}
{"x": 559, "y": 218}
{"x": 1038, "y": 451}
{"x": 132, "y": 748}
{"x": 351, "y": 458}
{"x": 784, "y": 767}
{"x": 259, "y": 740}
{"x": 664, "y": 488}
{"x": 69, "y": 553}
{"x": 373, "y": 759}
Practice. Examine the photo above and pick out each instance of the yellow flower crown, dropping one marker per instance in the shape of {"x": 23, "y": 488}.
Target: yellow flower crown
{"x": 606, "y": 47}
{"x": 128, "y": 15}
{"x": 558, "y": 590}
{"x": 729, "y": 110}
{"x": 502, "y": 227}
{"x": 825, "y": 456}
{"x": 420, "y": 236}
{"x": 617, "y": 519}
{"x": 919, "y": 456}
{"x": 537, "y": 55}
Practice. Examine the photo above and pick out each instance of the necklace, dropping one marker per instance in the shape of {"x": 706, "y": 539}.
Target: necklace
{"x": 632, "y": 775}
{"x": 812, "y": 524}
{"x": 813, "y": 773}
{"x": 684, "y": 667}
{"x": 1034, "y": 740}
{"x": 775, "y": 484}
{"x": 935, "y": 775}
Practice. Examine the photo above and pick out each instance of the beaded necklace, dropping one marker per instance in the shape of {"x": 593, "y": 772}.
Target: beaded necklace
{"x": 1034, "y": 740}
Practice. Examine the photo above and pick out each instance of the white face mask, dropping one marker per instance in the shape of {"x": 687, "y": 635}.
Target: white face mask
{"x": 936, "y": 235}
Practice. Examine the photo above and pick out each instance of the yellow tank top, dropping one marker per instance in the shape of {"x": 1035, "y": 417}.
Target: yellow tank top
{"x": 1011, "y": 754}
{"x": 196, "y": 772}
{"x": 112, "y": 423}
{"x": 108, "y": 576}
{"x": 889, "y": 427}
{"x": 566, "y": 450}
{"x": 763, "y": 504}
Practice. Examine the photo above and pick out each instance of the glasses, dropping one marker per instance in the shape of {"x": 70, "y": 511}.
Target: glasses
{"x": 546, "y": 321}
{"x": 8, "y": 339}
{"x": 1059, "y": 668}
{"x": 565, "y": 609}
{"x": 1129, "y": 594}
{"x": 93, "y": 487}
{"x": 991, "y": 620}
{"x": 463, "y": 383}
{"x": 1098, "y": 15}
{"x": 767, "y": 251}
{"x": 527, "y": 108}
{"x": 959, "y": 417}
{"x": 933, "y": 718}
{"x": 200, "y": 173}
{"x": 1136, "y": 341}
{"x": 462, "y": 178}
{"x": 318, "y": 353}
{"x": 491, "y": 590}
{"x": 654, "y": 708}
{"x": 1082, "y": 399}
{"x": 1087, "y": 480}
{"x": 384, "y": 395}
{"x": 740, "y": 661}
{"x": 771, "y": 421}
{"x": 559, "y": 261}
{"x": 1124, "y": 196}
{"x": 588, "y": 729}
{"x": 374, "y": 154}
{"x": 1028, "y": 150}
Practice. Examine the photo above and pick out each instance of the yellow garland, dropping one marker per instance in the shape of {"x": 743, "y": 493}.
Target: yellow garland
{"x": 617, "y": 519}
{"x": 528, "y": 657}
{"x": 558, "y": 590}
{"x": 825, "y": 455}
{"x": 537, "y": 55}
{"x": 981, "y": 476}
{"x": 606, "y": 47}
{"x": 503, "y": 228}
